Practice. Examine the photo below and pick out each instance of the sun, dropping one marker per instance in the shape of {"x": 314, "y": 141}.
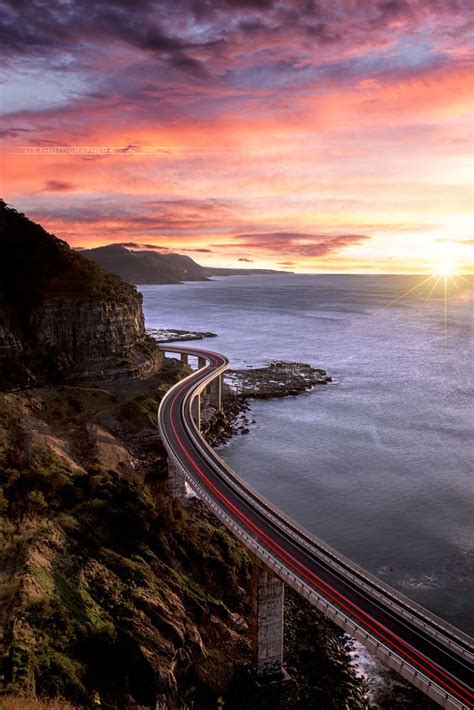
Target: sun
{"x": 445, "y": 269}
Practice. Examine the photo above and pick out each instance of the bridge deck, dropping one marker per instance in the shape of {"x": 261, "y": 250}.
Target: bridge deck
{"x": 434, "y": 656}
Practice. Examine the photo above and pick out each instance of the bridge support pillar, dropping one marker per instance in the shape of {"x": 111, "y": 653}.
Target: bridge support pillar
{"x": 267, "y": 601}
{"x": 176, "y": 481}
{"x": 184, "y": 358}
{"x": 196, "y": 410}
{"x": 201, "y": 362}
{"x": 215, "y": 392}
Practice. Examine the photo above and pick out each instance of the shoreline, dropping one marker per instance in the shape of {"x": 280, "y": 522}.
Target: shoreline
{"x": 278, "y": 379}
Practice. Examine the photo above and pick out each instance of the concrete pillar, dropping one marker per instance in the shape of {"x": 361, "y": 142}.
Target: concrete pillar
{"x": 176, "y": 480}
{"x": 215, "y": 391}
{"x": 267, "y": 599}
{"x": 184, "y": 358}
{"x": 196, "y": 410}
{"x": 201, "y": 362}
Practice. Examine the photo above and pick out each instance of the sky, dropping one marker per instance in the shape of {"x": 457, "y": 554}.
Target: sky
{"x": 309, "y": 135}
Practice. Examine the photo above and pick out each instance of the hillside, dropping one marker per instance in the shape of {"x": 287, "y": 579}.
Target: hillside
{"x": 62, "y": 316}
{"x": 145, "y": 267}
{"x": 111, "y": 592}
{"x": 150, "y": 267}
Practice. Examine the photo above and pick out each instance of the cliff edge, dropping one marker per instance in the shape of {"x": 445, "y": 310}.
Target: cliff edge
{"x": 62, "y": 317}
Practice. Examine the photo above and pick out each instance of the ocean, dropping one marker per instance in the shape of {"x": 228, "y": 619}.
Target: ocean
{"x": 379, "y": 464}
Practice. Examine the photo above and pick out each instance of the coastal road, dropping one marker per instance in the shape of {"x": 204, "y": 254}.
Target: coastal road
{"x": 431, "y": 654}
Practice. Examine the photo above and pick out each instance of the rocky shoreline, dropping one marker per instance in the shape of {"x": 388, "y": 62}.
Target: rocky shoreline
{"x": 167, "y": 335}
{"x": 279, "y": 379}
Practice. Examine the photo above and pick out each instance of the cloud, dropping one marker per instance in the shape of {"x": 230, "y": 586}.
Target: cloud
{"x": 298, "y": 244}
{"x": 137, "y": 216}
{"x": 141, "y": 245}
{"x": 465, "y": 242}
{"x": 58, "y": 186}
{"x": 242, "y": 258}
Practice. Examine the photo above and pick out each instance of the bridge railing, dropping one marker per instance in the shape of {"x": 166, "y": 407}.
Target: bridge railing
{"x": 344, "y": 621}
{"x": 434, "y": 626}
{"x": 396, "y": 600}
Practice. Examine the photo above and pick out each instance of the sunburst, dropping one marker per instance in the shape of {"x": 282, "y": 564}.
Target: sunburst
{"x": 445, "y": 269}
{"x": 444, "y": 279}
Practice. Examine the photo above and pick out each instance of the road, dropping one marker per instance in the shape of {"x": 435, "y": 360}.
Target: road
{"x": 433, "y": 655}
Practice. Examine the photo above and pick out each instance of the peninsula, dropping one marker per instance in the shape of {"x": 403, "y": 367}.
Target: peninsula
{"x": 151, "y": 267}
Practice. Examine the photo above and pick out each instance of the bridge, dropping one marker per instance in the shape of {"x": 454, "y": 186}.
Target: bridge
{"x": 432, "y": 655}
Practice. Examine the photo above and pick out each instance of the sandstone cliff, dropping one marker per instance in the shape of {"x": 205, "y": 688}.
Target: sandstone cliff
{"x": 62, "y": 317}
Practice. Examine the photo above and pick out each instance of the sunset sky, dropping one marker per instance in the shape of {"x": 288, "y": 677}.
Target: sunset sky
{"x": 314, "y": 136}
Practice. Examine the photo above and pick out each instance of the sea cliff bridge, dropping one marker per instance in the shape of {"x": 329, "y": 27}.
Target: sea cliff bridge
{"x": 432, "y": 655}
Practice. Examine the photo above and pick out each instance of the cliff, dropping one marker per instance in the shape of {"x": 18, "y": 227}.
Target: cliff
{"x": 62, "y": 317}
{"x": 149, "y": 267}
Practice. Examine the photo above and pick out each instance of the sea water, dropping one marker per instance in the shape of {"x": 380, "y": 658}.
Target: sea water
{"x": 379, "y": 463}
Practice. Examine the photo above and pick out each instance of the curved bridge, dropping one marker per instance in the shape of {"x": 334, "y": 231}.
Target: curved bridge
{"x": 434, "y": 656}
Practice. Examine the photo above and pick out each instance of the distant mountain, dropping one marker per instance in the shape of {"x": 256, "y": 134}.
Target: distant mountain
{"x": 146, "y": 267}
{"x": 63, "y": 317}
{"x": 150, "y": 267}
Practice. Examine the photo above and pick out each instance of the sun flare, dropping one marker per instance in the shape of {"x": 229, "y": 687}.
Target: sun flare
{"x": 445, "y": 269}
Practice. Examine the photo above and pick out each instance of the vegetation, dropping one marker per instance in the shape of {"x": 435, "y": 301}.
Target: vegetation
{"x": 10, "y": 702}
{"x": 36, "y": 266}
{"x": 117, "y": 581}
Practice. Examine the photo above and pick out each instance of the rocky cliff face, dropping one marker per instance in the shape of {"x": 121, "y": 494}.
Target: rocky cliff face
{"x": 63, "y": 318}
{"x": 94, "y": 340}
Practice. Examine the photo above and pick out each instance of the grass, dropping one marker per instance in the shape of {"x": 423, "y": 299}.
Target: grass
{"x": 12, "y": 702}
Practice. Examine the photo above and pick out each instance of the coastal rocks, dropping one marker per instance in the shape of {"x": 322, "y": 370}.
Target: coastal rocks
{"x": 167, "y": 335}
{"x": 318, "y": 665}
{"x": 279, "y": 379}
{"x": 218, "y": 427}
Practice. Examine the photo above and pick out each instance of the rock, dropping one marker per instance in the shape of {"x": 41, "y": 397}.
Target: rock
{"x": 165, "y": 335}
{"x": 279, "y": 379}
{"x": 238, "y": 622}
